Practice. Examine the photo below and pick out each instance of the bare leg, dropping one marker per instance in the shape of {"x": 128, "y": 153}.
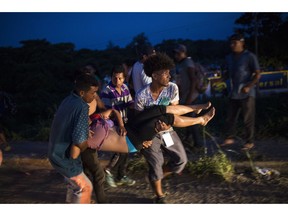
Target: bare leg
{"x": 184, "y": 109}
{"x": 158, "y": 188}
{"x": 184, "y": 121}
{"x": 157, "y": 185}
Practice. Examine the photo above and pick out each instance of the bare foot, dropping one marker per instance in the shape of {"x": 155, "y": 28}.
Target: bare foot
{"x": 208, "y": 116}
{"x": 228, "y": 141}
{"x": 247, "y": 146}
{"x": 200, "y": 107}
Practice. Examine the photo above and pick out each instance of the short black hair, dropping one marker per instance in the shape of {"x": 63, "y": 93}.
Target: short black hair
{"x": 118, "y": 69}
{"x": 238, "y": 37}
{"x": 146, "y": 51}
{"x": 160, "y": 61}
{"x": 84, "y": 82}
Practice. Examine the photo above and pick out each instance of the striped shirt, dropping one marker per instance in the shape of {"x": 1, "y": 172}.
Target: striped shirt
{"x": 112, "y": 99}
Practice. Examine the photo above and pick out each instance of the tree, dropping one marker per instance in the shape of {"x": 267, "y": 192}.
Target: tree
{"x": 138, "y": 42}
{"x": 265, "y": 32}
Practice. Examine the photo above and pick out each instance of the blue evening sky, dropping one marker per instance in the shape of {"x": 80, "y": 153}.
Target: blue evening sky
{"x": 94, "y": 30}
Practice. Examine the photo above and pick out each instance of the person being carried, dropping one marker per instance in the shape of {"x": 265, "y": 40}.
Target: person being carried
{"x": 139, "y": 133}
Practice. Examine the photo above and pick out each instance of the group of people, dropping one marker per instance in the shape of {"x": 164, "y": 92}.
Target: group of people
{"x": 143, "y": 122}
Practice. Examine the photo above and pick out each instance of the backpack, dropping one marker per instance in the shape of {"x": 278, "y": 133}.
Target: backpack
{"x": 202, "y": 78}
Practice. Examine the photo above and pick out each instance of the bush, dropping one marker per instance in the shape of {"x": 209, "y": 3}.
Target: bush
{"x": 217, "y": 165}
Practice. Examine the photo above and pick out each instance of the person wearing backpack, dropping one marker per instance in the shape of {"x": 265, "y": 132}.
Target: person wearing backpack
{"x": 186, "y": 79}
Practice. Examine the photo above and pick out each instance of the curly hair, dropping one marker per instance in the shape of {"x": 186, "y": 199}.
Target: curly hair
{"x": 158, "y": 62}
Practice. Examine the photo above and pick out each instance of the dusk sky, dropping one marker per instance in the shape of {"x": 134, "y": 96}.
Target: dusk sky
{"x": 93, "y": 24}
{"x": 95, "y": 30}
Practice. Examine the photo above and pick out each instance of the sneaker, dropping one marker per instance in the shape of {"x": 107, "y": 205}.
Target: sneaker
{"x": 160, "y": 200}
{"x": 110, "y": 179}
{"x": 126, "y": 180}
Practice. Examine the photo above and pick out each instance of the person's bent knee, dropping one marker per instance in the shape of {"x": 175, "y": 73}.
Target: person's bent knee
{"x": 179, "y": 167}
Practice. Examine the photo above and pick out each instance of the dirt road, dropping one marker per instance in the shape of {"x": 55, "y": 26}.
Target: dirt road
{"x": 27, "y": 177}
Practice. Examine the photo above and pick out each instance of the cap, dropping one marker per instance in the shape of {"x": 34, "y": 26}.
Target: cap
{"x": 238, "y": 37}
{"x": 180, "y": 48}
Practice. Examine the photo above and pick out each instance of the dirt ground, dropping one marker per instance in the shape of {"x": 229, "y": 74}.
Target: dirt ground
{"x": 27, "y": 177}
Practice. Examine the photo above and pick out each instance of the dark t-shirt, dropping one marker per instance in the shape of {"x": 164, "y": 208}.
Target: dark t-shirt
{"x": 240, "y": 72}
{"x": 141, "y": 127}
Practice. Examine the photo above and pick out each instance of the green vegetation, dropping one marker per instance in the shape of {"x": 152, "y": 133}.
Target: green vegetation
{"x": 217, "y": 165}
